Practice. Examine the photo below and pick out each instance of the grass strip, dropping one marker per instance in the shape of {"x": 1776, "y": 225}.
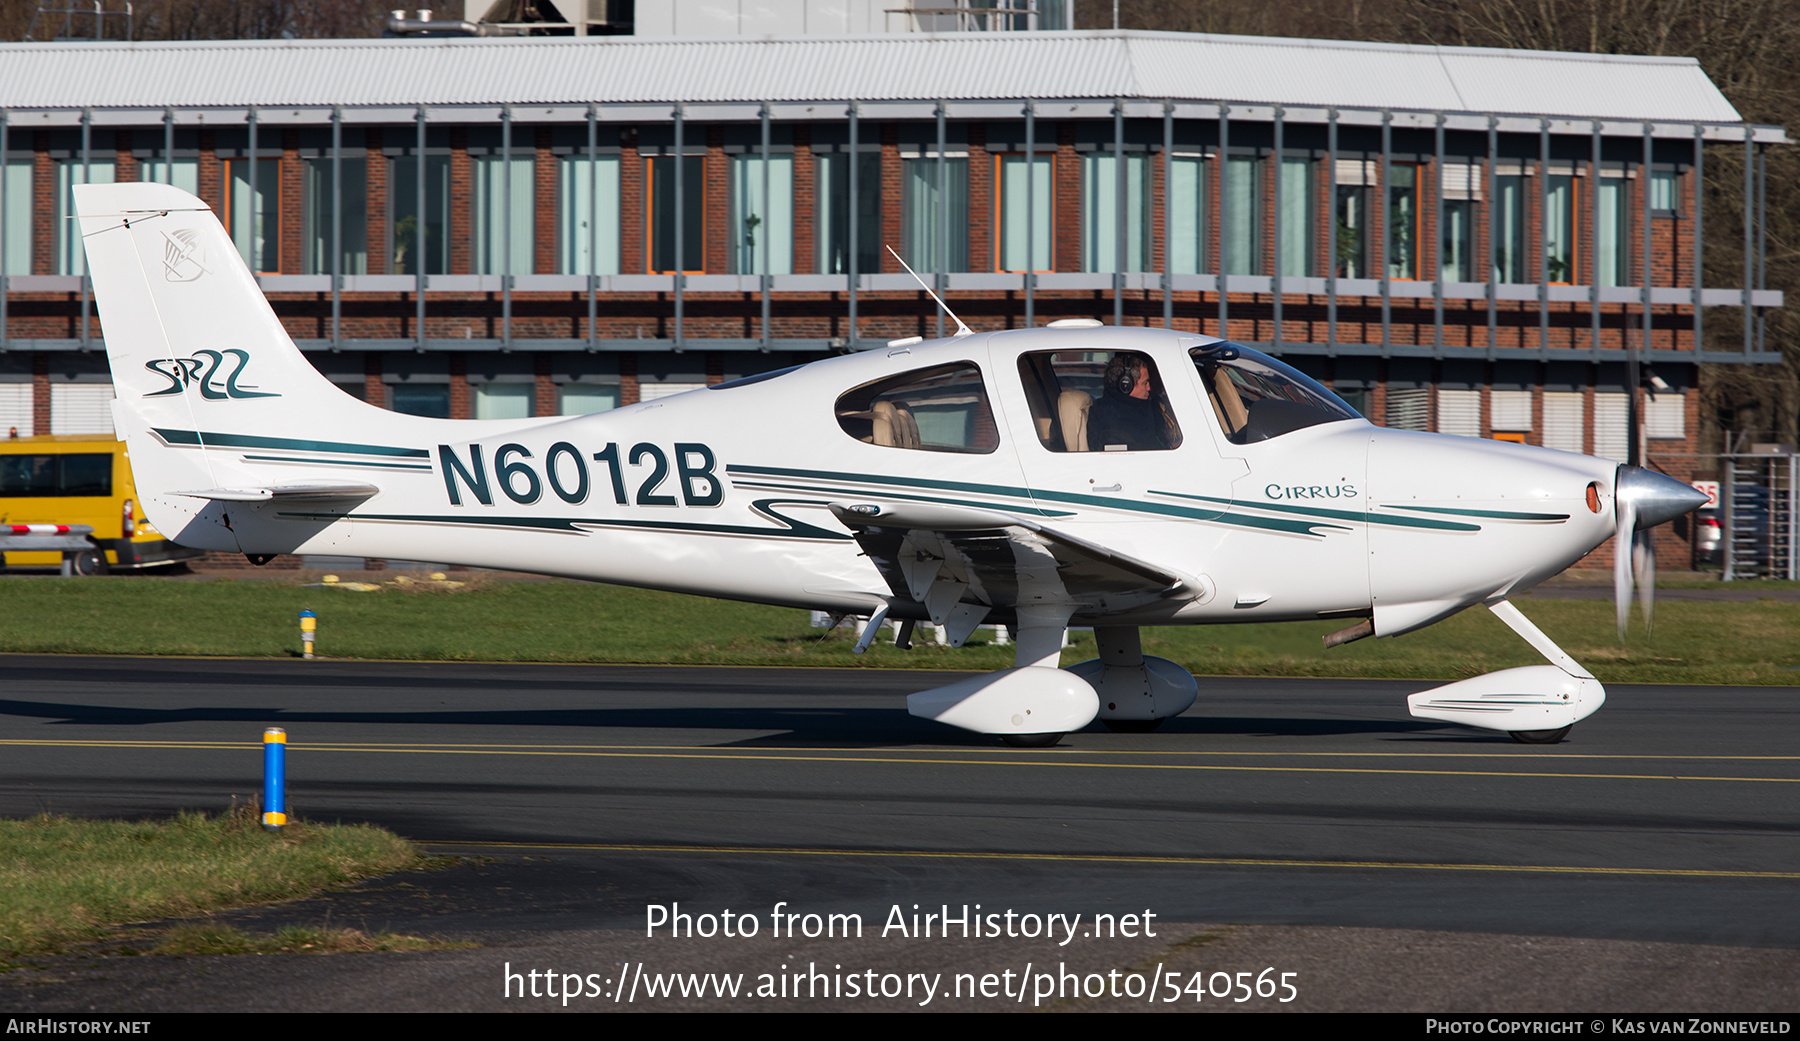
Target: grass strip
{"x": 1695, "y": 641}
{"x": 218, "y": 938}
{"x": 64, "y": 880}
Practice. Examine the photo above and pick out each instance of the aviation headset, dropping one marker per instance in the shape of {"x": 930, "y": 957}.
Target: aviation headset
{"x": 1122, "y": 373}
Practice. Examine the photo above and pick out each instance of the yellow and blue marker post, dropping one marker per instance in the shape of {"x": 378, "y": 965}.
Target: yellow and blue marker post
{"x": 309, "y": 626}
{"x": 274, "y": 779}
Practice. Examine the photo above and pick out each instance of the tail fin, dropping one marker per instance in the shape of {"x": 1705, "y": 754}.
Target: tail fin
{"x": 203, "y": 372}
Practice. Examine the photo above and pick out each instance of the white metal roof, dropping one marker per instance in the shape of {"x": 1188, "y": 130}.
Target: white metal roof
{"x": 1071, "y": 65}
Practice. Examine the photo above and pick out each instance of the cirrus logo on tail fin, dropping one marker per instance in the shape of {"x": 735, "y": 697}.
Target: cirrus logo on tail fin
{"x": 184, "y": 259}
{"x": 202, "y": 369}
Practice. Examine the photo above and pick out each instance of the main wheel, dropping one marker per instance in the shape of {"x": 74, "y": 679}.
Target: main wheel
{"x": 1032, "y": 740}
{"x": 1539, "y": 737}
{"x": 89, "y": 562}
{"x": 1131, "y": 726}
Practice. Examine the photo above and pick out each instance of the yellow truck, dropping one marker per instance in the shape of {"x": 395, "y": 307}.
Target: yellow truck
{"x": 79, "y": 479}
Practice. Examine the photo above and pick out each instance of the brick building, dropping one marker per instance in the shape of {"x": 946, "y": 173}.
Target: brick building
{"x": 1454, "y": 239}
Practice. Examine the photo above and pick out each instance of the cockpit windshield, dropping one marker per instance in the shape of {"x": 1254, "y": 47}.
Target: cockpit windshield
{"x": 1257, "y": 398}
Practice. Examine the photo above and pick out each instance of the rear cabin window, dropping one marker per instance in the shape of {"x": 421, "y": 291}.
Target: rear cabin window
{"x": 46, "y": 476}
{"x": 941, "y": 409}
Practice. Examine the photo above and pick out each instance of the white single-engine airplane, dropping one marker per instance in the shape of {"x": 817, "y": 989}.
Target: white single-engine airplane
{"x": 1076, "y": 474}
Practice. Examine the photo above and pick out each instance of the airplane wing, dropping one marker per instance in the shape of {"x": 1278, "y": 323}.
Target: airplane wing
{"x": 962, "y": 563}
{"x": 285, "y": 492}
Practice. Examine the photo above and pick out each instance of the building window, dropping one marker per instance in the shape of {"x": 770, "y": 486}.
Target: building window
{"x": 1021, "y": 181}
{"x": 585, "y": 399}
{"x": 1296, "y": 217}
{"x": 587, "y": 215}
{"x": 503, "y": 400}
{"x": 1241, "y": 222}
{"x": 1511, "y": 411}
{"x": 1459, "y": 412}
{"x": 1187, "y": 214}
{"x": 1100, "y": 172}
{"x": 352, "y": 223}
{"x": 1559, "y": 229}
{"x": 419, "y": 233}
{"x": 68, "y": 258}
{"x": 1665, "y": 416}
{"x": 431, "y": 400}
{"x": 1409, "y": 408}
{"x": 15, "y": 246}
{"x": 1612, "y": 431}
{"x": 502, "y": 215}
{"x": 254, "y": 217}
{"x": 1402, "y": 221}
{"x": 662, "y": 206}
{"x": 182, "y": 173}
{"x": 1664, "y": 197}
{"x": 1564, "y": 411}
{"x": 1350, "y": 207}
{"x": 936, "y": 231}
{"x": 755, "y": 232}
{"x": 1612, "y": 231}
{"x": 1509, "y": 228}
{"x": 1461, "y": 187}
{"x": 831, "y": 191}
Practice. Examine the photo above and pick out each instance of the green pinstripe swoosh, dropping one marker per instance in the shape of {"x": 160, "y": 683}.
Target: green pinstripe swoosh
{"x": 338, "y": 462}
{"x": 210, "y": 439}
{"x": 796, "y": 529}
{"x": 794, "y": 487}
{"x": 1495, "y": 514}
{"x": 1348, "y": 515}
{"x": 1218, "y": 516}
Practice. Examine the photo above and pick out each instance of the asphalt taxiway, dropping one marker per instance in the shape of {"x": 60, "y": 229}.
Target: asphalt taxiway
{"x": 579, "y": 795}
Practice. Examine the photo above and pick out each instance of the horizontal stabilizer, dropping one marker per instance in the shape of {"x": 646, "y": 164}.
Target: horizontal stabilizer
{"x": 286, "y": 492}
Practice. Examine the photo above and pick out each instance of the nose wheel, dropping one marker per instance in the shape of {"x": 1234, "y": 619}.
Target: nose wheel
{"x": 1540, "y": 737}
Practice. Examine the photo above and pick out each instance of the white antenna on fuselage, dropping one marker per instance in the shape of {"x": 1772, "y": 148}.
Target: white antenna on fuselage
{"x": 961, "y": 329}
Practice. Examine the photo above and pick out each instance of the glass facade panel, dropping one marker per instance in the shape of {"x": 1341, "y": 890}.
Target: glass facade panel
{"x": 503, "y": 400}
{"x": 754, "y": 232}
{"x": 1403, "y": 221}
{"x": 1509, "y": 229}
{"x": 182, "y": 173}
{"x": 1020, "y": 180}
{"x": 832, "y": 192}
{"x": 1242, "y": 222}
{"x": 1296, "y": 217}
{"x": 431, "y": 400}
{"x": 1187, "y": 212}
{"x": 353, "y": 225}
{"x": 1559, "y": 229}
{"x": 585, "y": 399}
{"x": 255, "y": 217}
{"x": 1459, "y": 264}
{"x": 419, "y": 236}
{"x": 1612, "y": 232}
{"x": 584, "y": 232}
{"x": 67, "y": 257}
{"x": 662, "y": 213}
{"x": 502, "y": 215}
{"x": 1100, "y": 212}
{"x": 929, "y": 211}
{"x": 15, "y": 241}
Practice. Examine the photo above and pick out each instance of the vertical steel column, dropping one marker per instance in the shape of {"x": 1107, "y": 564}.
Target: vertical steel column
{"x": 1543, "y": 222}
{"x": 1276, "y": 272}
{"x": 337, "y": 226}
{"x": 680, "y": 230}
{"x": 72, "y": 233}
{"x": 1437, "y": 245}
{"x": 255, "y": 203}
{"x": 506, "y": 229}
{"x": 767, "y": 268}
{"x": 1699, "y": 240}
{"x": 1030, "y": 212}
{"x": 1634, "y": 453}
{"x": 1387, "y": 231}
{"x": 1762, "y": 235}
{"x": 1121, "y": 236}
{"x": 1593, "y": 237}
{"x": 1749, "y": 218}
{"x": 593, "y": 272}
{"x": 419, "y": 232}
{"x": 1168, "y": 164}
{"x": 850, "y": 216}
{"x": 1224, "y": 219}
{"x": 943, "y": 222}
{"x": 169, "y": 146}
{"x": 1331, "y": 265}
{"x": 1493, "y": 273}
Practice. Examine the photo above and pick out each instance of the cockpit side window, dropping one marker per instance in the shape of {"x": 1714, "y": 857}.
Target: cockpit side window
{"x": 941, "y": 409}
{"x": 1256, "y": 397}
{"x": 1098, "y": 401}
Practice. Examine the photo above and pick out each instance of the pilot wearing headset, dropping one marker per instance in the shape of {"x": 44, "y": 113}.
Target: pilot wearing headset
{"x": 1131, "y": 415}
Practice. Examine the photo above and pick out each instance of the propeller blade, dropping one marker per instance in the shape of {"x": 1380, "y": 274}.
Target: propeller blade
{"x": 1643, "y": 563}
{"x": 1625, "y": 524}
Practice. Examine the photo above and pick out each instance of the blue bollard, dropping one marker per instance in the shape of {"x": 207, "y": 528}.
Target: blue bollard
{"x": 274, "y": 779}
